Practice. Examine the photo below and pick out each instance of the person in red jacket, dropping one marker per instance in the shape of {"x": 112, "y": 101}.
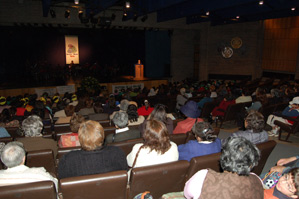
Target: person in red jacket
{"x": 220, "y": 110}
{"x": 146, "y": 109}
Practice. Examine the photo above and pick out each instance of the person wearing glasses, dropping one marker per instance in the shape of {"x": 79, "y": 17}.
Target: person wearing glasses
{"x": 206, "y": 143}
{"x": 286, "y": 187}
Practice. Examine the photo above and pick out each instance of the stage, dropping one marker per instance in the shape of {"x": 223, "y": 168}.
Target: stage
{"x": 74, "y": 83}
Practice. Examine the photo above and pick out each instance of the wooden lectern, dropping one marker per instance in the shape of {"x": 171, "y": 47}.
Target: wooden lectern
{"x": 139, "y": 70}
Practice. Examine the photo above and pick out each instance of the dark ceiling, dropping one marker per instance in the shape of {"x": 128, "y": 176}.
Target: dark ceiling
{"x": 195, "y": 11}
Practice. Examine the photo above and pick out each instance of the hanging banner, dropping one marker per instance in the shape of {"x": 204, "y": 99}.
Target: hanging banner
{"x": 71, "y": 49}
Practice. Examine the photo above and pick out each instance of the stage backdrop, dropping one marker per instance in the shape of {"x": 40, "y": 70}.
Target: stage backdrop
{"x": 71, "y": 49}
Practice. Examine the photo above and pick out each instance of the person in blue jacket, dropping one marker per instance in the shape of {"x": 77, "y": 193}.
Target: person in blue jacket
{"x": 206, "y": 143}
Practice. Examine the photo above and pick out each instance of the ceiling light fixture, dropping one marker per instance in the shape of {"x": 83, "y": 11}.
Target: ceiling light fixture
{"x": 76, "y": 2}
{"x": 207, "y": 13}
{"x": 261, "y": 2}
{"x": 237, "y": 17}
{"x": 293, "y": 9}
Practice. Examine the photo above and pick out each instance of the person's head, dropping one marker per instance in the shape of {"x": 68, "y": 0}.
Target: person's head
{"x": 88, "y": 103}
{"x": 146, "y": 104}
{"x": 159, "y": 113}
{"x": 203, "y": 131}
{"x": 75, "y": 122}
{"x": 69, "y": 110}
{"x": 295, "y": 102}
{"x": 97, "y": 107}
{"x": 156, "y": 136}
{"x": 255, "y": 121}
{"x": 132, "y": 113}
{"x": 111, "y": 101}
{"x": 32, "y": 126}
{"x": 120, "y": 119}
{"x": 91, "y": 135}
{"x": 13, "y": 154}
{"x": 182, "y": 91}
{"x": 288, "y": 184}
{"x": 239, "y": 156}
{"x": 124, "y": 105}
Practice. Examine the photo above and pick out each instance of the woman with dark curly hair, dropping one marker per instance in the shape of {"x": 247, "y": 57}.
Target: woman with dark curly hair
{"x": 254, "y": 124}
{"x": 238, "y": 158}
{"x": 156, "y": 149}
{"x": 134, "y": 118}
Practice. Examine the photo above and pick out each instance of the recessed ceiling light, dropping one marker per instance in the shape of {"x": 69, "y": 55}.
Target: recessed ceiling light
{"x": 207, "y": 13}
{"x": 237, "y": 17}
{"x": 261, "y": 2}
{"x": 293, "y": 9}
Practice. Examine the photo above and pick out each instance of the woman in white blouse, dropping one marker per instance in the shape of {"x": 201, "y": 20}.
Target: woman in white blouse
{"x": 156, "y": 149}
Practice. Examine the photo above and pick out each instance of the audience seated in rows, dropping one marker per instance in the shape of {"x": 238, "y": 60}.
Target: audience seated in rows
{"x": 191, "y": 112}
{"x": 93, "y": 158}
{"x": 32, "y": 128}
{"x": 122, "y": 132}
{"x": 206, "y": 143}
{"x": 159, "y": 113}
{"x": 156, "y": 149}
{"x": 13, "y": 156}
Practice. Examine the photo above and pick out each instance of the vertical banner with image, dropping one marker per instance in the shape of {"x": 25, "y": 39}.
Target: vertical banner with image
{"x": 71, "y": 49}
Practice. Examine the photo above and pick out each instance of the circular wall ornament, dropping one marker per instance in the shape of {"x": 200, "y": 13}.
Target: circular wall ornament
{"x": 227, "y": 52}
{"x": 236, "y": 42}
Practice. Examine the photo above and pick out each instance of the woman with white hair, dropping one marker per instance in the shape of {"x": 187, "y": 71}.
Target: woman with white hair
{"x": 33, "y": 140}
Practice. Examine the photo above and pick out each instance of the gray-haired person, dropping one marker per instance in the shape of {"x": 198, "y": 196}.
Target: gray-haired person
{"x": 237, "y": 159}
{"x": 14, "y": 156}
{"x": 33, "y": 140}
{"x": 122, "y": 132}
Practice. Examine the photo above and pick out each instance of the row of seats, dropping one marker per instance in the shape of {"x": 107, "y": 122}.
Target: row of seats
{"x": 158, "y": 179}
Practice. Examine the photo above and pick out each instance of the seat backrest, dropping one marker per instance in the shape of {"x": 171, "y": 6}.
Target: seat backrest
{"x": 101, "y": 186}
{"x": 41, "y": 158}
{"x": 6, "y": 140}
{"x": 34, "y": 190}
{"x": 207, "y": 109}
{"x": 203, "y": 162}
{"x": 62, "y": 151}
{"x": 281, "y": 106}
{"x": 232, "y": 110}
{"x": 158, "y": 179}
{"x": 267, "y": 110}
{"x": 126, "y": 145}
{"x": 266, "y": 148}
{"x": 178, "y": 138}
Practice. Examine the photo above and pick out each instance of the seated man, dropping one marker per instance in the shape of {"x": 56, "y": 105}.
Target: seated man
{"x": 122, "y": 132}
{"x": 286, "y": 187}
{"x": 13, "y": 156}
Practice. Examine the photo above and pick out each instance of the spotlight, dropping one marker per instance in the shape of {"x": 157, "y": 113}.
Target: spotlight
{"x": 76, "y": 2}
{"x": 261, "y": 2}
{"x": 144, "y": 18}
{"x": 207, "y": 13}
{"x": 128, "y": 5}
{"x": 52, "y": 13}
{"x": 67, "y": 14}
{"x": 237, "y": 17}
{"x": 293, "y": 9}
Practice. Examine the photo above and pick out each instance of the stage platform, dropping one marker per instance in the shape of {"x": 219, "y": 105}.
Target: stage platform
{"x": 123, "y": 81}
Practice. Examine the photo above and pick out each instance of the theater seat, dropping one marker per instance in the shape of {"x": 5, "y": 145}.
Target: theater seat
{"x": 158, "y": 179}
{"x": 266, "y": 148}
{"x": 178, "y": 138}
{"x": 34, "y": 190}
{"x": 41, "y": 158}
{"x": 203, "y": 162}
{"x": 102, "y": 186}
{"x": 127, "y": 145}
